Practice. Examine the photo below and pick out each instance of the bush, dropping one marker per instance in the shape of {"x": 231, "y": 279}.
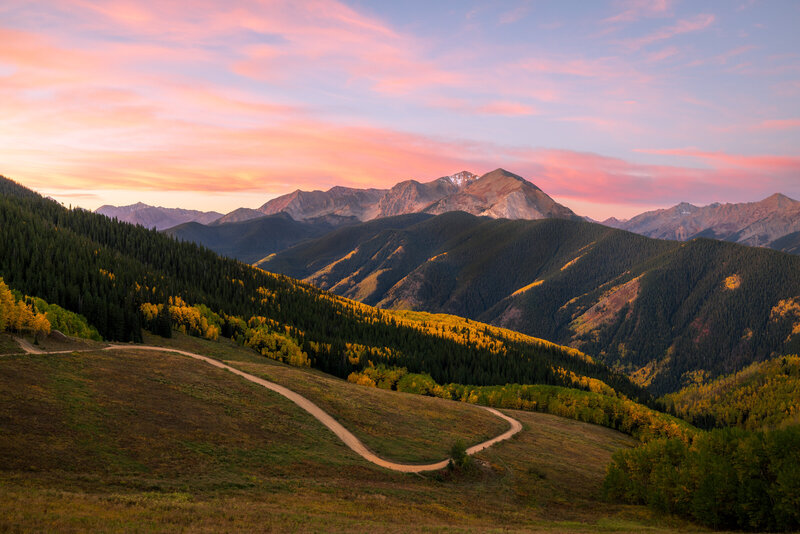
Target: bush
{"x": 728, "y": 478}
{"x": 459, "y": 459}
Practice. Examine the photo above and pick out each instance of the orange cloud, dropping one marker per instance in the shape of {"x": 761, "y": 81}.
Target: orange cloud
{"x": 496, "y": 107}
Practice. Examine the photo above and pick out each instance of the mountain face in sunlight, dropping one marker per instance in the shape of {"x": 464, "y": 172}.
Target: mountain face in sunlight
{"x": 498, "y": 194}
{"x": 751, "y": 223}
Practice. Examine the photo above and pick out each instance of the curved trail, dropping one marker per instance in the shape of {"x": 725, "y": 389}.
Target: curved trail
{"x": 325, "y": 418}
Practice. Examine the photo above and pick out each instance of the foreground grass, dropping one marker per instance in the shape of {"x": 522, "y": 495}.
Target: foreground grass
{"x": 408, "y": 428}
{"x": 47, "y": 343}
{"x": 126, "y": 440}
{"x": 8, "y": 345}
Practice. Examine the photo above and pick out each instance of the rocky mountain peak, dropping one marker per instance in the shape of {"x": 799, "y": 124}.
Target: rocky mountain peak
{"x": 462, "y": 179}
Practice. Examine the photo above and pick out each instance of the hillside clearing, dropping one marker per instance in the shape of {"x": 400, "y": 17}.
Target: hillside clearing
{"x": 106, "y": 440}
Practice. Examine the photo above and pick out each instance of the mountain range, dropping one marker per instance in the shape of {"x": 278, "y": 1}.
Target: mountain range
{"x": 156, "y": 216}
{"x": 773, "y": 222}
{"x": 496, "y": 194}
{"x": 752, "y": 223}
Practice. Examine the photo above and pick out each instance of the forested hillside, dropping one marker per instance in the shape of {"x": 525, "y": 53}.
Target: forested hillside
{"x": 120, "y": 276}
{"x": 252, "y": 240}
{"x": 762, "y": 395}
{"x": 660, "y": 310}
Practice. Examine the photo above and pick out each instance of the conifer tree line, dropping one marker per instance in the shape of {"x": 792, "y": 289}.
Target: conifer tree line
{"x": 107, "y": 271}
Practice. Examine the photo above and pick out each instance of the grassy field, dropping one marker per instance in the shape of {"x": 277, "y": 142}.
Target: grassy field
{"x": 8, "y": 345}
{"x": 126, "y": 440}
{"x": 410, "y": 428}
{"x": 47, "y": 343}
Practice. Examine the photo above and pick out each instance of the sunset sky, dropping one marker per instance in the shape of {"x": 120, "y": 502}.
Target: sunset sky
{"x": 610, "y": 107}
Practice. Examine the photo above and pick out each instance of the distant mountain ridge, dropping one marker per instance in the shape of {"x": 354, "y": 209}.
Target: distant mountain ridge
{"x": 497, "y": 194}
{"x": 156, "y": 216}
{"x": 760, "y": 223}
{"x": 251, "y": 240}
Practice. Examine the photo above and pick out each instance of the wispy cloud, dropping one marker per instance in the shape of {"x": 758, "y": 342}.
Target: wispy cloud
{"x": 693, "y": 24}
{"x": 634, "y": 10}
{"x": 664, "y": 53}
{"x": 515, "y": 15}
{"x": 724, "y": 58}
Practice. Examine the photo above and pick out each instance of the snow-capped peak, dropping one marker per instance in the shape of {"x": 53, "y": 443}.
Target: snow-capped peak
{"x": 462, "y": 178}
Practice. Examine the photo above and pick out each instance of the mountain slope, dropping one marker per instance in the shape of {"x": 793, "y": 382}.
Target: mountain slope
{"x": 752, "y": 223}
{"x": 789, "y": 243}
{"x": 252, "y": 239}
{"x": 237, "y": 215}
{"x": 344, "y": 201}
{"x": 501, "y": 194}
{"x": 413, "y": 197}
{"x": 660, "y": 310}
{"x": 156, "y": 216}
{"x": 762, "y": 395}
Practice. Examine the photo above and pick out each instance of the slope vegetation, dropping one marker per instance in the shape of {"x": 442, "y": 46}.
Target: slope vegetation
{"x": 762, "y": 395}
{"x": 660, "y": 310}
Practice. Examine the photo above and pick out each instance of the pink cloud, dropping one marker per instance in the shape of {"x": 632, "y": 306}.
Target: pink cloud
{"x": 662, "y": 54}
{"x": 718, "y": 160}
{"x": 495, "y": 107}
{"x": 633, "y": 10}
{"x": 607, "y": 180}
{"x": 134, "y": 113}
{"x": 722, "y": 59}
{"x": 779, "y": 124}
{"x": 511, "y": 109}
{"x": 514, "y": 15}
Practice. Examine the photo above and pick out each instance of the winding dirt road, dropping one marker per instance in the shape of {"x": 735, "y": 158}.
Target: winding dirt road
{"x": 322, "y": 416}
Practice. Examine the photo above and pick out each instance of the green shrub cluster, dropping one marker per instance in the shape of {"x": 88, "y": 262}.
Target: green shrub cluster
{"x": 725, "y": 478}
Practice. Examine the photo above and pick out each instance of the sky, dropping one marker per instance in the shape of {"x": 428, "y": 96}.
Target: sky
{"x": 611, "y": 107}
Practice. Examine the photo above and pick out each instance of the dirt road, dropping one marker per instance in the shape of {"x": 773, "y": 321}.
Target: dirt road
{"x": 322, "y": 416}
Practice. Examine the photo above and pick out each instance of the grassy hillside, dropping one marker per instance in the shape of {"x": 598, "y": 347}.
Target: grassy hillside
{"x": 762, "y": 395}
{"x": 409, "y": 429}
{"x": 121, "y": 276}
{"x": 661, "y": 311}
{"x": 107, "y": 440}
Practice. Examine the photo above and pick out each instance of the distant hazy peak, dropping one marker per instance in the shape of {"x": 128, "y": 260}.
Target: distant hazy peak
{"x": 156, "y": 216}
